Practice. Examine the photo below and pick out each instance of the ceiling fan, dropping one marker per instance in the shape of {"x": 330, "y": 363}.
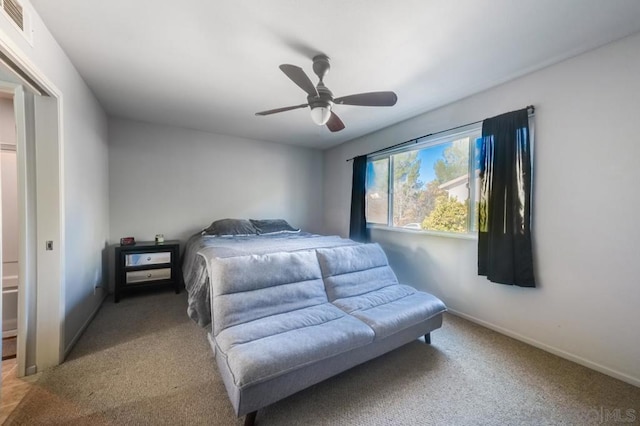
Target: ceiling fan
{"x": 321, "y": 100}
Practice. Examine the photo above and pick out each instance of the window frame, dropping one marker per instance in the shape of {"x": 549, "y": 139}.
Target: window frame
{"x": 474, "y": 131}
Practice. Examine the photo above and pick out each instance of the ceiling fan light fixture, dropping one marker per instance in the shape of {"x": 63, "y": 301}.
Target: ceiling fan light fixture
{"x": 321, "y": 114}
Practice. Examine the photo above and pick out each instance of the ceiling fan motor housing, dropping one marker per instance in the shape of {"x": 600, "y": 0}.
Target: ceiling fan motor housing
{"x": 324, "y": 98}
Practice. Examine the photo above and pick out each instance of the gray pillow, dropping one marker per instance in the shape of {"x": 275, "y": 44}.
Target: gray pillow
{"x": 231, "y": 227}
{"x": 273, "y": 226}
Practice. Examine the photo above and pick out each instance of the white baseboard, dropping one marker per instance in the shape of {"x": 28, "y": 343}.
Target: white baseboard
{"x": 559, "y": 352}
{"x": 30, "y": 370}
{"x": 84, "y": 326}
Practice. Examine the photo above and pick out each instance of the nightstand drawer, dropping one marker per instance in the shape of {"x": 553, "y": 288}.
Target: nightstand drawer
{"x": 135, "y": 277}
{"x": 140, "y": 259}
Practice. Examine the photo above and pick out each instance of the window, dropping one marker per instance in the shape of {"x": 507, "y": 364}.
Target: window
{"x": 377, "y": 197}
{"x": 429, "y": 186}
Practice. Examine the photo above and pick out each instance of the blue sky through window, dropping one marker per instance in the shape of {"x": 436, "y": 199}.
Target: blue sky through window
{"x": 371, "y": 174}
{"x": 428, "y": 157}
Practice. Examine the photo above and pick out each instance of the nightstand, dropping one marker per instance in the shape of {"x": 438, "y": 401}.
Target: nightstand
{"x": 147, "y": 264}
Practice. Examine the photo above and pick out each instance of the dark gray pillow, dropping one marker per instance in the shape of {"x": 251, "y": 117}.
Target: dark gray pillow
{"x": 273, "y": 226}
{"x": 231, "y": 227}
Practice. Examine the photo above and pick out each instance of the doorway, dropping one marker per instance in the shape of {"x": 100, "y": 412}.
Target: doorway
{"x": 37, "y": 109}
{"x": 39, "y": 342}
{"x": 10, "y": 226}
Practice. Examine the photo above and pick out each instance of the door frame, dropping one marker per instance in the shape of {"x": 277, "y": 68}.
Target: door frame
{"x": 41, "y": 301}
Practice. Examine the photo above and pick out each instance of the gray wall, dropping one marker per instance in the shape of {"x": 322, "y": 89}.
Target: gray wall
{"x": 585, "y": 208}
{"x": 176, "y": 181}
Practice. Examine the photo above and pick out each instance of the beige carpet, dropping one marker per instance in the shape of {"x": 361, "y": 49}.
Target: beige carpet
{"x": 142, "y": 361}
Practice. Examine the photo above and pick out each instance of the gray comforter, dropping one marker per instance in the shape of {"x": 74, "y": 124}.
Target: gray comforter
{"x": 201, "y": 249}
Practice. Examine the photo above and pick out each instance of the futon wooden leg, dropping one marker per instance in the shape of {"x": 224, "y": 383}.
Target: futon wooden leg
{"x": 250, "y": 419}
{"x": 427, "y": 338}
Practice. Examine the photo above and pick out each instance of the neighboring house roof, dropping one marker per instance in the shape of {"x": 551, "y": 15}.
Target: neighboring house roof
{"x": 459, "y": 187}
{"x": 454, "y": 183}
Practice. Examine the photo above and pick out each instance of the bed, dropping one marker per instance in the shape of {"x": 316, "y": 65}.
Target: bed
{"x": 235, "y": 238}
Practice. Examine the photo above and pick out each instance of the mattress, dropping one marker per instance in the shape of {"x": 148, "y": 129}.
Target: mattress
{"x": 201, "y": 249}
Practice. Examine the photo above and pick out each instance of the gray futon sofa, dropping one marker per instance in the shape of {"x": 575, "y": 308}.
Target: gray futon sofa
{"x": 285, "y": 321}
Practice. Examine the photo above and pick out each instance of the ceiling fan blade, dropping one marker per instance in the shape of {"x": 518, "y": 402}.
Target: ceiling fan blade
{"x": 299, "y": 77}
{"x": 335, "y": 124}
{"x": 369, "y": 99}
{"x": 289, "y": 108}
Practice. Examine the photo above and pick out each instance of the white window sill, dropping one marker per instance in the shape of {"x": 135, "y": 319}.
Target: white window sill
{"x": 473, "y": 236}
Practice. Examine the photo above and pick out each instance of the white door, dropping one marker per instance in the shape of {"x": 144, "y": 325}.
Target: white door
{"x": 10, "y": 226}
{"x": 9, "y": 197}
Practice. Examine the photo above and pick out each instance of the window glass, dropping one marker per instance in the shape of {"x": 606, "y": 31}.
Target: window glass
{"x": 377, "y": 196}
{"x": 475, "y": 184}
{"x": 432, "y": 188}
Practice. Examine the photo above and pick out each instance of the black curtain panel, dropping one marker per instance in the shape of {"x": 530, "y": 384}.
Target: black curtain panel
{"x": 358, "y": 224}
{"x": 504, "y": 235}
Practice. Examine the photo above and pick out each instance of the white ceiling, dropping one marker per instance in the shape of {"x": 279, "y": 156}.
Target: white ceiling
{"x": 210, "y": 65}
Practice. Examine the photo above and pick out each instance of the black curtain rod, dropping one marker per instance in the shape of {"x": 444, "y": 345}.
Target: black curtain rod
{"x": 530, "y": 109}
